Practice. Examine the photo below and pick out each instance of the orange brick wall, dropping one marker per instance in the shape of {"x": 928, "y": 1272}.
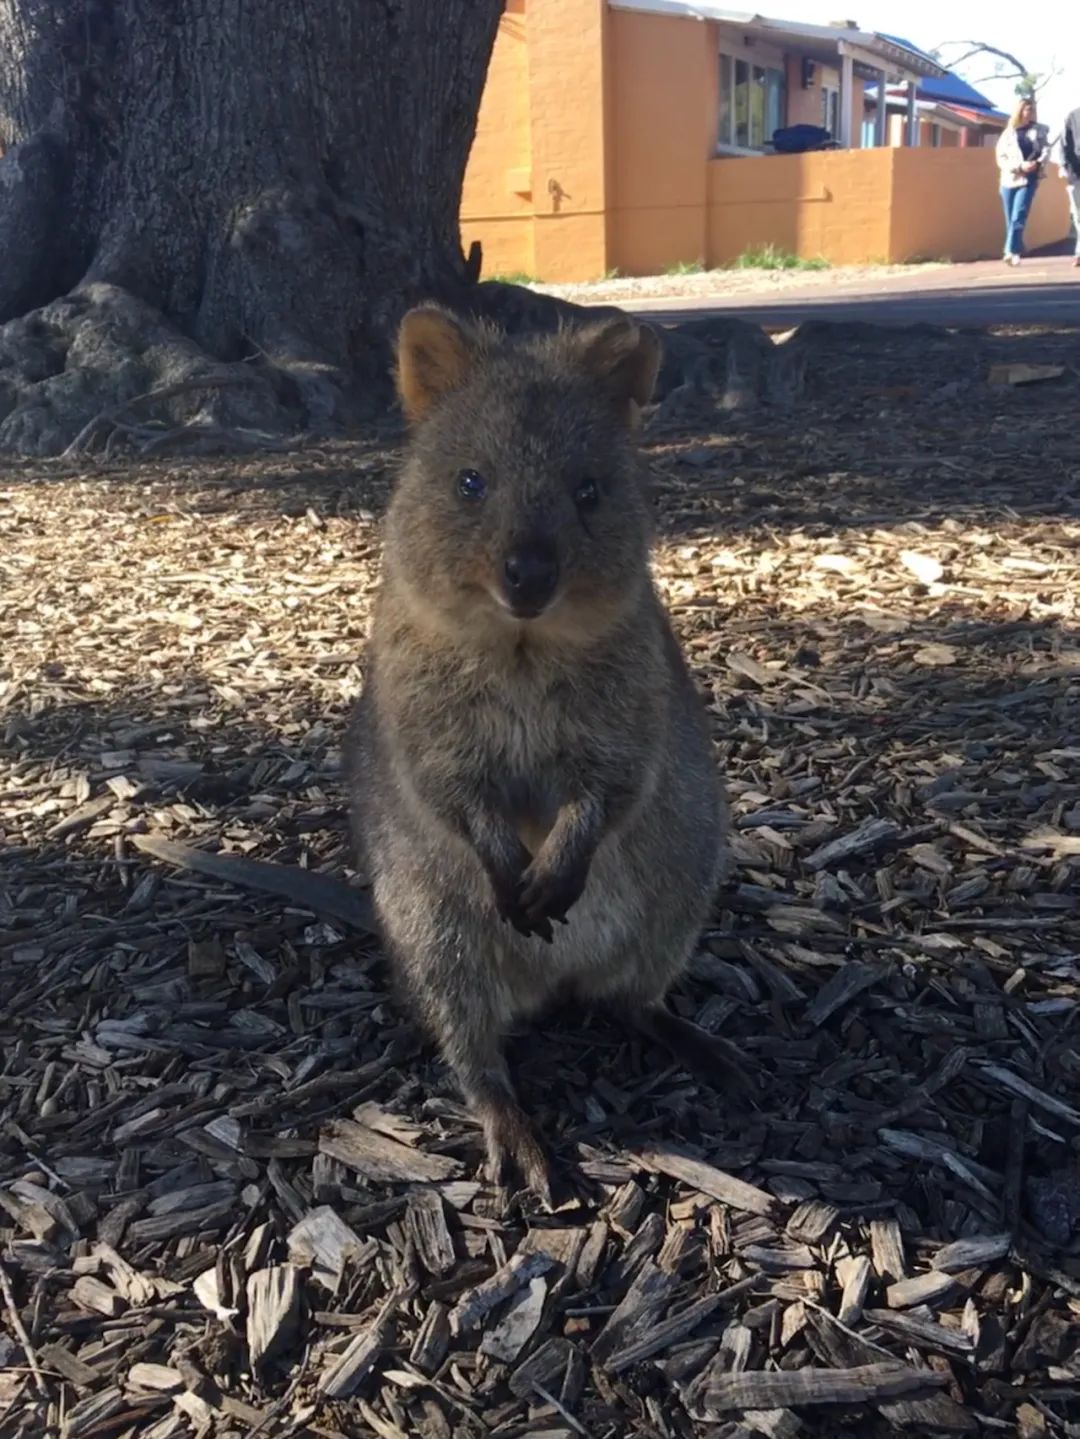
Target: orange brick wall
{"x": 536, "y": 186}
{"x": 664, "y": 87}
{"x": 497, "y": 205}
{"x": 946, "y": 205}
{"x": 569, "y": 102}
{"x": 833, "y": 205}
{"x": 863, "y": 206}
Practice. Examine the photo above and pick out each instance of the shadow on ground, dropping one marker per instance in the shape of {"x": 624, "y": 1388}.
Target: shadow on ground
{"x": 891, "y": 654}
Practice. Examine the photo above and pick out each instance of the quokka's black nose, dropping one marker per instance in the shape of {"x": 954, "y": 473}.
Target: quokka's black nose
{"x": 530, "y": 576}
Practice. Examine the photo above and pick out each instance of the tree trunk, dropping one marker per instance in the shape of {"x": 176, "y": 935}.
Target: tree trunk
{"x": 231, "y": 199}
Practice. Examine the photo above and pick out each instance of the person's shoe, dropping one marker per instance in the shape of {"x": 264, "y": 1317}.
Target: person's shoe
{"x": 1014, "y": 259}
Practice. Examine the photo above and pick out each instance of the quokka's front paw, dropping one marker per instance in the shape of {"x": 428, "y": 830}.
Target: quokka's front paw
{"x": 550, "y": 888}
{"x": 507, "y": 891}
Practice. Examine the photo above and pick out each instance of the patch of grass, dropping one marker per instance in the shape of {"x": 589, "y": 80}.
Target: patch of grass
{"x": 516, "y": 277}
{"x": 772, "y": 257}
{"x": 613, "y": 274}
{"x": 686, "y": 267}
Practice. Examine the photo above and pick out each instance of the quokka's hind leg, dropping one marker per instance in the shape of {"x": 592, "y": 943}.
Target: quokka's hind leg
{"x": 702, "y": 1054}
{"x": 515, "y": 1155}
{"x": 633, "y": 985}
{"x": 445, "y": 967}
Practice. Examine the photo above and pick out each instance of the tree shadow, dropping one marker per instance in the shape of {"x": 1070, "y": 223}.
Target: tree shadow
{"x": 891, "y": 424}
{"x": 890, "y": 433}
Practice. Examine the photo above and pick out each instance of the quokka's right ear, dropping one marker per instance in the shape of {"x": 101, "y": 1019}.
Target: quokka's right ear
{"x": 625, "y": 357}
{"x": 435, "y": 355}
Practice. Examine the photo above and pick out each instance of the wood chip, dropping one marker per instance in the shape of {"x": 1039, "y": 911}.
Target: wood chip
{"x": 922, "y": 1333}
{"x": 708, "y": 1180}
{"x": 160, "y": 1378}
{"x": 931, "y": 1289}
{"x": 430, "y": 1231}
{"x": 545, "y": 1368}
{"x": 887, "y": 1249}
{"x": 812, "y": 1221}
{"x": 868, "y": 1384}
{"x": 315, "y": 891}
{"x": 664, "y": 1334}
{"x": 508, "y": 1338}
{"x": 381, "y": 1159}
{"x": 432, "y": 1339}
{"x": 1024, "y": 374}
{"x": 477, "y": 1303}
{"x": 845, "y": 985}
{"x": 635, "y": 1314}
{"x": 870, "y": 836}
{"x": 273, "y": 1299}
{"x": 92, "y": 1413}
{"x": 323, "y": 1239}
{"x": 926, "y": 569}
{"x": 971, "y": 1253}
{"x": 855, "y": 1275}
{"x": 344, "y": 1373}
{"x": 91, "y": 1293}
{"x": 1022, "y": 1087}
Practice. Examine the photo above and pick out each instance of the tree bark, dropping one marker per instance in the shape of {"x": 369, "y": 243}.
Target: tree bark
{"x": 200, "y": 189}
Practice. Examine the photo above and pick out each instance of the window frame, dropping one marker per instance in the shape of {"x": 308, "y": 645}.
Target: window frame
{"x": 830, "y": 108}
{"x": 755, "y": 57}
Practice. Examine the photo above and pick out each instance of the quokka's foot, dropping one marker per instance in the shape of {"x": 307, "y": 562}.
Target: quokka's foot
{"x": 516, "y": 1157}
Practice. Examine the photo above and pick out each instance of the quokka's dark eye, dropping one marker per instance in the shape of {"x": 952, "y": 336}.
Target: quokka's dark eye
{"x": 587, "y": 495}
{"x": 471, "y": 485}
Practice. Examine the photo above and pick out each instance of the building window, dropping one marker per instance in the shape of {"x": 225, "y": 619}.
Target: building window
{"x": 830, "y": 110}
{"x": 742, "y": 105}
{"x": 727, "y": 100}
{"x": 935, "y": 136}
{"x": 775, "y": 101}
{"x": 752, "y": 104}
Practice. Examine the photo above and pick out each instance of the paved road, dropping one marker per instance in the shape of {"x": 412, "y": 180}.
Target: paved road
{"x": 1037, "y": 292}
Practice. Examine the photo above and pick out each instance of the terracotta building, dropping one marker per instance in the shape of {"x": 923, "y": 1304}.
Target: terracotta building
{"x": 635, "y": 135}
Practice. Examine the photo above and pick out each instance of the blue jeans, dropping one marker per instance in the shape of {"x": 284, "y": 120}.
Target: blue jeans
{"x": 1016, "y": 202}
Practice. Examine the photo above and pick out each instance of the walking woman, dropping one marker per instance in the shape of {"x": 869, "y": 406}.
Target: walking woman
{"x": 1021, "y": 154}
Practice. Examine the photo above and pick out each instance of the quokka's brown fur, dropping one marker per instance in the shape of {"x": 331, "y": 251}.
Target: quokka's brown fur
{"x": 534, "y": 793}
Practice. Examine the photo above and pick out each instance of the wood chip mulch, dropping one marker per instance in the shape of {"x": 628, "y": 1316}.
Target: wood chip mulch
{"x": 239, "y": 1198}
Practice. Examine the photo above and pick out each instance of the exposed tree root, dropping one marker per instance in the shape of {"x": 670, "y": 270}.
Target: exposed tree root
{"x": 197, "y": 439}
{"x": 108, "y": 423}
{"x": 72, "y": 372}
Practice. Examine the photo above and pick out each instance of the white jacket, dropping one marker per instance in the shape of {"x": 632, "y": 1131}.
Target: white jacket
{"x": 1010, "y": 157}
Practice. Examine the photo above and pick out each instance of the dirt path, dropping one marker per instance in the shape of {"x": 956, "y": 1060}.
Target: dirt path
{"x": 723, "y": 285}
{"x": 1041, "y": 291}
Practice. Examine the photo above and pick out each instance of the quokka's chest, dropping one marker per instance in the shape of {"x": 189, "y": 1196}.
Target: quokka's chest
{"x": 519, "y": 739}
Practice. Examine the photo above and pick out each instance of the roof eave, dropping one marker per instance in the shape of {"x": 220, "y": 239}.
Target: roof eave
{"x": 897, "y": 59}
